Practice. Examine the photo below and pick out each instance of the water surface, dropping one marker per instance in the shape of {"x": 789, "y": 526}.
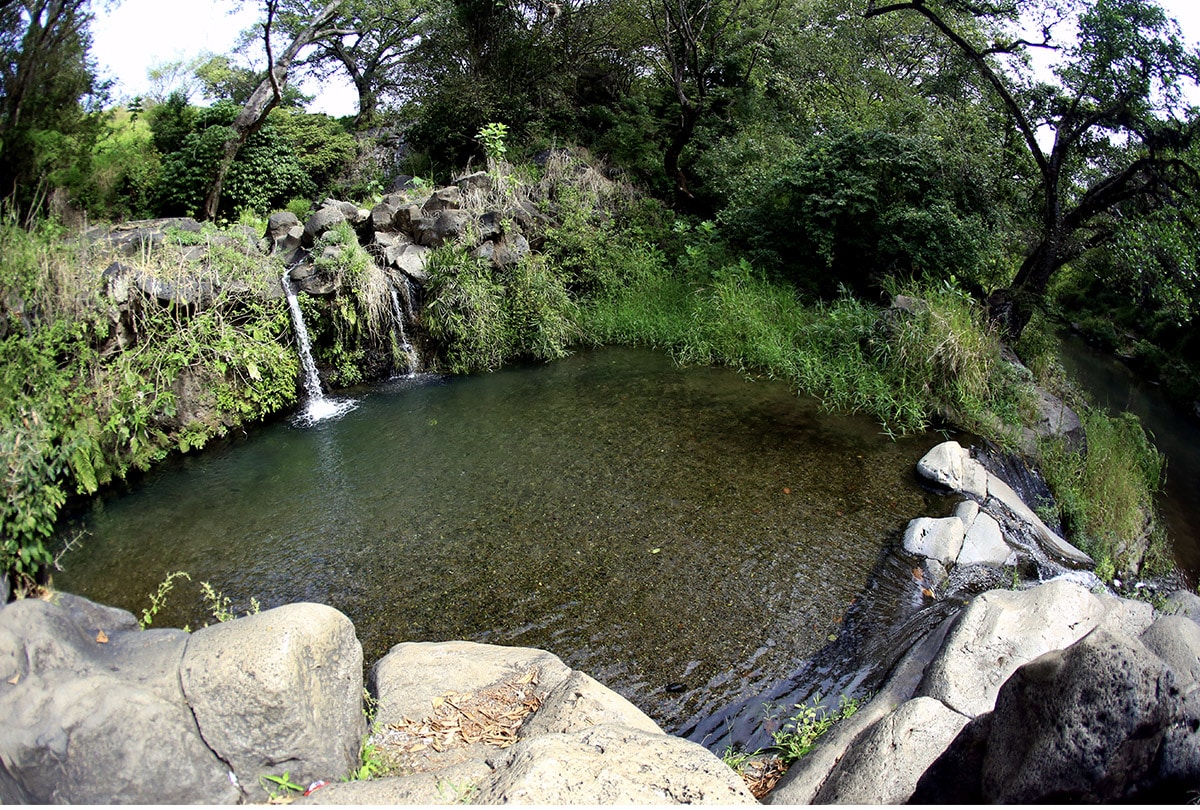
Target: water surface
{"x": 686, "y": 536}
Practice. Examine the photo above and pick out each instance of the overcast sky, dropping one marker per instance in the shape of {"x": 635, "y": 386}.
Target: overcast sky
{"x": 140, "y": 33}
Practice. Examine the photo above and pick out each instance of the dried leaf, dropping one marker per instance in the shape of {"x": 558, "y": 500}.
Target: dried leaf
{"x": 15, "y": 679}
{"x": 101, "y": 637}
{"x": 438, "y": 701}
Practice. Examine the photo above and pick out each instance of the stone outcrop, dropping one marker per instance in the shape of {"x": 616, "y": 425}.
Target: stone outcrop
{"x": 1053, "y": 694}
{"x": 98, "y": 711}
{"x": 993, "y": 527}
{"x": 570, "y": 740}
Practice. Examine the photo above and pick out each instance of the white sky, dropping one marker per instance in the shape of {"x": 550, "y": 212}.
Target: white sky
{"x": 138, "y": 34}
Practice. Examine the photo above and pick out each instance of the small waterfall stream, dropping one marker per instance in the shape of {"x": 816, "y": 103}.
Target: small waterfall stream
{"x": 317, "y": 406}
{"x": 410, "y": 351}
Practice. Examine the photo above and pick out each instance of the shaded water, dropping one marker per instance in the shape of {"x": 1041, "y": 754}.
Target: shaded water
{"x": 1117, "y": 388}
{"x": 685, "y": 536}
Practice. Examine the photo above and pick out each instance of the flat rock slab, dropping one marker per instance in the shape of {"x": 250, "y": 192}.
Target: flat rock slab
{"x": 984, "y": 544}
{"x": 1049, "y": 540}
{"x": 938, "y": 539}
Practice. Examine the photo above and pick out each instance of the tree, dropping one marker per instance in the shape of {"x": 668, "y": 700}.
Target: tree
{"x": 44, "y": 77}
{"x": 370, "y": 43}
{"x": 1116, "y": 115}
{"x": 700, "y": 46}
{"x": 266, "y": 96}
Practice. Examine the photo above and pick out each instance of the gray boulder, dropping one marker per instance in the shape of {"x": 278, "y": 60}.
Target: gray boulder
{"x": 278, "y": 691}
{"x": 612, "y": 764}
{"x": 581, "y": 702}
{"x": 936, "y": 538}
{"x": 1088, "y": 724}
{"x": 505, "y": 251}
{"x": 1001, "y": 630}
{"x": 984, "y": 544}
{"x": 477, "y": 181}
{"x": 444, "y": 199}
{"x": 323, "y": 219}
{"x": 93, "y": 713}
{"x": 884, "y": 764}
{"x": 998, "y": 492}
{"x": 440, "y": 227}
{"x": 1183, "y": 603}
{"x": 1176, "y": 640}
{"x": 950, "y": 465}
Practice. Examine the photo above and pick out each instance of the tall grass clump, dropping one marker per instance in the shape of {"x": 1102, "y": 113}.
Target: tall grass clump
{"x": 1106, "y": 492}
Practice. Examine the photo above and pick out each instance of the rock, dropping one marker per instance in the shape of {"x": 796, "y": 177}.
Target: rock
{"x": 279, "y": 224}
{"x": 950, "y": 465}
{"x": 935, "y": 576}
{"x": 444, "y": 199}
{"x": 1001, "y": 630}
{"x": 440, "y": 227}
{"x": 966, "y": 511}
{"x": 884, "y": 764}
{"x": 612, "y": 764}
{"x": 408, "y": 219}
{"x": 1176, "y": 640}
{"x": 411, "y": 260}
{"x": 581, "y": 702}
{"x": 953, "y": 778}
{"x": 1000, "y": 492}
{"x": 504, "y": 252}
{"x": 478, "y": 181}
{"x": 1056, "y": 418}
{"x": 1183, "y": 603}
{"x": 4, "y": 589}
{"x": 454, "y": 784}
{"x": 322, "y": 220}
{"x": 1085, "y": 724}
{"x": 984, "y": 544}
{"x": 278, "y": 691}
{"x": 98, "y": 719}
{"x": 936, "y": 538}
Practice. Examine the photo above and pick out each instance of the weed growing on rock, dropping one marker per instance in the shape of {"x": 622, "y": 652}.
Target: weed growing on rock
{"x": 799, "y": 733}
{"x": 159, "y": 597}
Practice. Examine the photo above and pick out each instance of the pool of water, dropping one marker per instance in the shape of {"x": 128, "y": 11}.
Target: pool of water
{"x": 686, "y": 536}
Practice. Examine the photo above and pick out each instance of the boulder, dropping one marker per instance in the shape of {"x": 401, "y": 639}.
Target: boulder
{"x": 884, "y": 764}
{"x": 444, "y": 199}
{"x": 280, "y": 691}
{"x": 93, "y": 713}
{"x": 477, "y": 181}
{"x": 1183, "y": 603}
{"x": 611, "y": 764}
{"x": 1176, "y": 640}
{"x": 984, "y": 544}
{"x": 1089, "y": 724}
{"x": 1056, "y": 418}
{"x": 440, "y": 227}
{"x": 936, "y": 538}
{"x": 323, "y": 219}
{"x": 505, "y": 251}
{"x": 1001, "y": 630}
{"x": 411, "y": 260}
{"x": 581, "y": 702}
{"x": 950, "y": 465}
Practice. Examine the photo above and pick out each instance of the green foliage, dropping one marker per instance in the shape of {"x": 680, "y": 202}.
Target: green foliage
{"x": 159, "y": 598}
{"x": 492, "y": 137}
{"x": 266, "y": 172}
{"x": 323, "y": 147}
{"x": 799, "y": 733}
{"x": 1106, "y": 494}
{"x": 84, "y": 413}
{"x": 855, "y": 206}
{"x": 280, "y": 788}
{"x": 220, "y": 607}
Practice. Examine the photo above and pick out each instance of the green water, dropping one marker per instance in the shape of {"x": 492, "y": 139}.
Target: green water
{"x": 685, "y": 536}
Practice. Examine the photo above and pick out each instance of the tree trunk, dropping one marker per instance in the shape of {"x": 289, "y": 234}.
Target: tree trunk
{"x": 689, "y": 114}
{"x": 262, "y": 101}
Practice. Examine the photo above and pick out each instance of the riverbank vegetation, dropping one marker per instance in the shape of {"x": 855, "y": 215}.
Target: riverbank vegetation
{"x": 754, "y": 194}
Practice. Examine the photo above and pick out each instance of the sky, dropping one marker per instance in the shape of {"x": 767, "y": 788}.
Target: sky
{"x": 138, "y": 34}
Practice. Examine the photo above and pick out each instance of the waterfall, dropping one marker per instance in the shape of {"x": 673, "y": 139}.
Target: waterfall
{"x": 317, "y": 407}
{"x": 410, "y": 352}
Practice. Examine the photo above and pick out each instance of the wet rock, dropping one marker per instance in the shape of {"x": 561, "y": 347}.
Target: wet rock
{"x": 884, "y": 764}
{"x": 936, "y": 538}
{"x": 278, "y": 691}
{"x": 984, "y": 544}
{"x": 411, "y": 260}
{"x": 1000, "y": 492}
{"x": 935, "y": 576}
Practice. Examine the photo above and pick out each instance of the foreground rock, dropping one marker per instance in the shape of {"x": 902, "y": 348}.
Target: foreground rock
{"x": 1053, "y": 694}
{"x": 97, "y": 711}
{"x": 507, "y": 724}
